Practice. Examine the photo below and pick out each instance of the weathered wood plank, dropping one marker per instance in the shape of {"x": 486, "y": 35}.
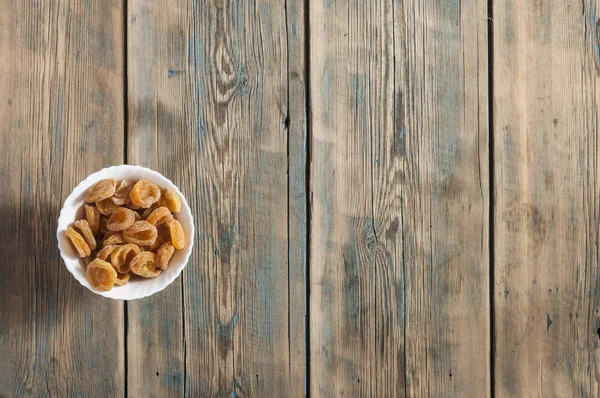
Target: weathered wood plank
{"x": 61, "y": 118}
{"x": 399, "y": 219}
{"x": 446, "y": 198}
{"x": 213, "y": 106}
{"x": 546, "y": 85}
{"x": 156, "y": 135}
{"x": 297, "y": 124}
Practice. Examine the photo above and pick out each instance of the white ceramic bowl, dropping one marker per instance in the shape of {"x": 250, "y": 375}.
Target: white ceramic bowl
{"x": 73, "y": 210}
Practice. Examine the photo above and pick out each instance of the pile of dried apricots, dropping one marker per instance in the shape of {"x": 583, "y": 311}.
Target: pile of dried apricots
{"x": 128, "y": 228}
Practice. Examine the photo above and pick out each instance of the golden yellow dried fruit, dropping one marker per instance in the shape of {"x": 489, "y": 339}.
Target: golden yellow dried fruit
{"x": 147, "y": 212}
{"x": 141, "y": 233}
{"x": 159, "y": 216}
{"x": 92, "y": 215}
{"x": 83, "y": 250}
{"x": 164, "y": 232}
{"x": 164, "y": 255}
{"x": 86, "y": 232}
{"x": 135, "y": 224}
{"x": 144, "y": 193}
{"x": 114, "y": 239}
{"x": 176, "y": 233}
{"x": 101, "y": 190}
{"x": 121, "y": 195}
{"x": 144, "y": 264}
{"x": 102, "y": 230}
{"x": 122, "y": 279}
{"x": 122, "y": 256}
{"x": 121, "y": 219}
{"x": 107, "y": 251}
{"x": 106, "y": 207}
{"x": 131, "y": 205}
{"x": 101, "y": 275}
{"x": 170, "y": 200}
{"x": 157, "y": 244}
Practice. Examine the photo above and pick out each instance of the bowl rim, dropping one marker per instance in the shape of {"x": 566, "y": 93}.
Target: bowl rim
{"x": 78, "y": 191}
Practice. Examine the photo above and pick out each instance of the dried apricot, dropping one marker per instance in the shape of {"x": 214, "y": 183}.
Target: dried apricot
{"x": 164, "y": 255}
{"x": 159, "y": 216}
{"x": 102, "y": 230}
{"x": 106, "y": 207}
{"x": 122, "y": 256}
{"x": 170, "y": 200}
{"x": 101, "y": 275}
{"x": 153, "y": 274}
{"x": 86, "y": 232}
{"x": 121, "y": 219}
{"x": 176, "y": 232}
{"x": 101, "y": 190}
{"x": 107, "y": 251}
{"x": 164, "y": 232}
{"x": 144, "y": 193}
{"x": 147, "y": 212}
{"x": 131, "y": 205}
{"x": 92, "y": 215}
{"x": 134, "y": 223}
{"x": 156, "y": 245}
{"x": 115, "y": 239}
{"x": 121, "y": 195}
{"x": 122, "y": 279}
{"x": 83, "y": 250}
{"x": 144, "y": 264}
{"x": 141, "y": 233}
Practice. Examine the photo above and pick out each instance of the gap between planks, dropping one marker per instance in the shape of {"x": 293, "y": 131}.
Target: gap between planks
{"x": 490, "y": 47}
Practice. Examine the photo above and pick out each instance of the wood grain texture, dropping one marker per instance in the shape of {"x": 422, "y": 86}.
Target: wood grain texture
{"x": 546, "y": 85}
{"x": 399, "y": 220}
{"x": 446, "y": 198}
{"x": 61, "y": 118}
{"x": 215, "y": 95}
{"x": 157, "y": 138}
{"x": 297, "y": 126}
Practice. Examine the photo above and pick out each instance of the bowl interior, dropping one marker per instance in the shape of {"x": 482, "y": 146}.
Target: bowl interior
{"x": 73, "y": 210}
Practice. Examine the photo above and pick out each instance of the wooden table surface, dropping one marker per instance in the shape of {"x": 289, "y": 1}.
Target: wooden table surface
{"x": 392, "y": 198}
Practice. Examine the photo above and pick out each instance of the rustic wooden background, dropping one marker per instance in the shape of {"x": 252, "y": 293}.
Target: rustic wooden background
{"x": 392, "y": 197}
